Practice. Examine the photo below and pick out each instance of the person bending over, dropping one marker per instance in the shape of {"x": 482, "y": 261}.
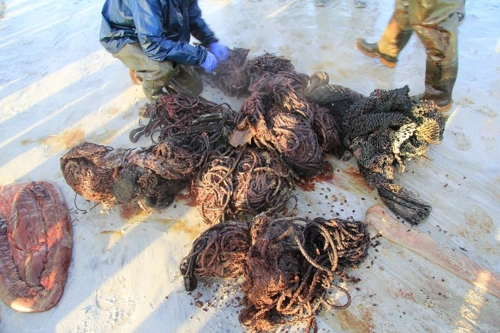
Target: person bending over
{"x": 151, "y": 37}
{"x": 435, "y": 22}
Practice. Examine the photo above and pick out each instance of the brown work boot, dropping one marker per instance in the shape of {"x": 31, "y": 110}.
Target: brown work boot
{"x": 371, "y": 50}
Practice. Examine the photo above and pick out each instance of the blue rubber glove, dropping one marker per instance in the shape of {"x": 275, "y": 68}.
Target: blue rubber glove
{"x": 210, "y": 63}
{"x": 220, "y": 51}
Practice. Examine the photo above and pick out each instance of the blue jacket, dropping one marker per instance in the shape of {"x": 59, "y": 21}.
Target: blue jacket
{"x": 162, "y": 27}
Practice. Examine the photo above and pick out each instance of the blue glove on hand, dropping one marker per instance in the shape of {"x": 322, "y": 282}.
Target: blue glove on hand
{"x": 210, "y": 62}
{"x": 220, "y": 51}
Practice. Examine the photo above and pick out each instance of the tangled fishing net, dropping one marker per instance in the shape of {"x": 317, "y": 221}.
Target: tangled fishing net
{"x": 242, "y": 180}
{"x": 231, "y": 76}
{"x": 244, "y": 163}
{"x": 293, "y": 125}
{"x": 282, "y": 120}
{"x": 383, "y": 131}
{"x": 231, "y": 180}
{"x": 276, "y": 127}
{"x": 289, "y": 265}
{"x": 185, "y": 130}
{"x": 219, "y": 251}
{"x": 252, "y": 157}
{"x": 178, "y": 114}
{"x": 149, "y": 176}
{"x": 236, "y": 75}
{"x": 275, "y": 97}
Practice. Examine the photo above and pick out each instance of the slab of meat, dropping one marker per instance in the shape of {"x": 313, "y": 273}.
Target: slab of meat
{"x": 35, "y": 245}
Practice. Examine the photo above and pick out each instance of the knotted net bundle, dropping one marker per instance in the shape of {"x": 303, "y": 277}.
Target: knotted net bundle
{"x": 220, "y": 251}
{"x": 229, "y": 180}
{"x": 282, "y": 120}
{"x": 150, "y": 176}
{"x": 270, "y": 82}
{"x": 242, "y": 180}
{"x": 232, "y": 75}
{"x": 236, "y": 75}
{"x": 174, "y": 114}
{"x": 275, "y": 129}
{"x": 289, "y": 265}
{"x": 383, "y": 131}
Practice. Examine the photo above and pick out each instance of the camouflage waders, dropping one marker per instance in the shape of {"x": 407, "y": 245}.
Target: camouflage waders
{"x": 435, "y": 22}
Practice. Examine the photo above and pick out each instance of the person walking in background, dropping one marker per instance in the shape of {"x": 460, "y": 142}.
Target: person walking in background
{"x": 151, "y": 37}
{"x": 2, "y": 8}
{"x": 435, "y": 22}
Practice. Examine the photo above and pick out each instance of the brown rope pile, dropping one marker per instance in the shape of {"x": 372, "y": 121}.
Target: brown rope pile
{"x": 281, "y": 120}
{"x": 384, "y": 131}
{"x": 150, "y": 176}
{"x": 327, "y": 131}
{"x": 219, "y": 251}
{"x": 268, "y": 63}
{"x": 238, "y": 77}
{"x": 242, "y": 180}
{"x": 231, "y": 75}
{"x": 231, "y": 181}
{"x": 174, "y": 114}
{"x": 290, "y": 265}
{"x": 276, "y": 118}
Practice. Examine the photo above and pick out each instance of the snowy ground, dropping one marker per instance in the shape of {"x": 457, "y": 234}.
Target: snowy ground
{"x": 59, "y": 87}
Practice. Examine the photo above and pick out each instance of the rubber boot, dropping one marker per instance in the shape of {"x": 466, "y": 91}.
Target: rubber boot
{"x": 187, "y": 82}
{"x": 439, "y": 83}
{"x": 394, "y": 40}
{"x": 395, "y": 37}
{"x": 436, "y": 24}
{"x": 371, "y": 50}
{"x": 153, "y": 89}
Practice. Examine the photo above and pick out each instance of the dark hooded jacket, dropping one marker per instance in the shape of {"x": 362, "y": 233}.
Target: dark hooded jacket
{"x": 162, "y": 27}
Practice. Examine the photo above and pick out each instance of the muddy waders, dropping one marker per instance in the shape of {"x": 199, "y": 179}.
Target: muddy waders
{"x": 155, "y": 75}
{"x": 435, "y": 22}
